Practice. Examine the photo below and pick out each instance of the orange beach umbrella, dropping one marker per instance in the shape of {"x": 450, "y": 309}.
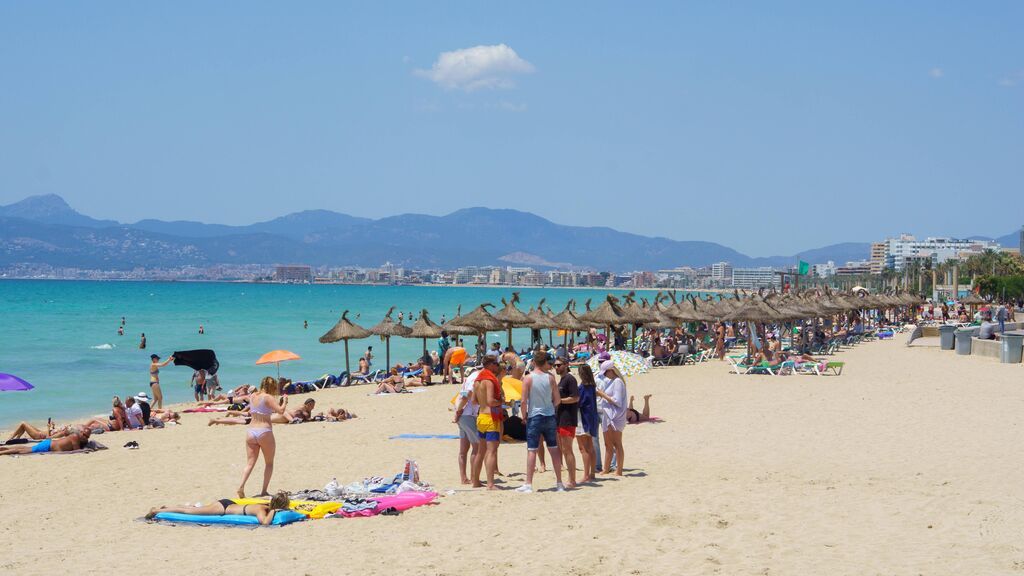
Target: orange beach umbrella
{"x": 276, "y": 357}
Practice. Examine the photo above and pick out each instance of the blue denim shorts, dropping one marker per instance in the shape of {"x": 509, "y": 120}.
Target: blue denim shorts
{"x": 537, "y": 426}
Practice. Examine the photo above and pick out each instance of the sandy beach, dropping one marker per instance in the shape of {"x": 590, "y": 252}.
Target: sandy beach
{"x": 905, "y": 464}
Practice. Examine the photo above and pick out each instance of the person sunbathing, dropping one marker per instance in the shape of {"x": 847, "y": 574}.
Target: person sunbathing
{"x": 74, "y": 441}
{"x": 166, "y": 416}
{"x": 242, "y": 418}
{"x": 223, "y": 507}
{"x": 634, "y": 417}
{"x": 239, "y": 395}
{"x": 334, "y": 415}
{"x": 26, "y": 429}
{"x": 393, "y": 384}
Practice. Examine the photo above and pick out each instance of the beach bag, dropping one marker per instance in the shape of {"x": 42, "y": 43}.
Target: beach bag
{"x": 411, "y": 472}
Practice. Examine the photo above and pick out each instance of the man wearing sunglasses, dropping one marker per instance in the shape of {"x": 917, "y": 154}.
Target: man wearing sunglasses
{"x": 567, "y": 416}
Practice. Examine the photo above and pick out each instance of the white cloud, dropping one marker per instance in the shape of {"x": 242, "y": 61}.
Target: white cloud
{"x": 936, "y": 73}
{"x": 1012, "y": 79}
{"x": 476, "y": 68}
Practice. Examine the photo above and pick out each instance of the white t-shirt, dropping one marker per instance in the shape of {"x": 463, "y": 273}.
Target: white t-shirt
{"x": 471, "y": 408}
{"x": 134, "y": 416}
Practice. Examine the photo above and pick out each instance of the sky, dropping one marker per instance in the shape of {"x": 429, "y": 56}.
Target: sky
{"x": 770, "y": 127}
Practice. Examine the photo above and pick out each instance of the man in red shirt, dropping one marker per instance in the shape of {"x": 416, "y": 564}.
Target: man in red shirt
{"x": 487, "y": 393}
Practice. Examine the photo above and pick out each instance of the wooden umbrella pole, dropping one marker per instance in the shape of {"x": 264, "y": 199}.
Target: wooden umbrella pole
{"x": 348, "y": 371}
{"x": 387, "y": 352}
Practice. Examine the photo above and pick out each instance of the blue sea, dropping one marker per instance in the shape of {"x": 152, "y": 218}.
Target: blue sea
{"x": 62, "y": 336}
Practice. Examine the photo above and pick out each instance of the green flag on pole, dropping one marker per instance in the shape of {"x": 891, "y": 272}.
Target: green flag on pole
{"x": 805, "y": 268}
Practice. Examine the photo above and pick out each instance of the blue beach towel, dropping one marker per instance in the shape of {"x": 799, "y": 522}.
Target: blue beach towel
{"x": 425, "y": 437}
{"x": 281, "y": 518}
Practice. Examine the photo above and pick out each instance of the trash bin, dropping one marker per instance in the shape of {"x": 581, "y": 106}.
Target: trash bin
{"x": 963, "y": 342}
{"x": 1010, "y": 348}
{"x": 946, "y": 336}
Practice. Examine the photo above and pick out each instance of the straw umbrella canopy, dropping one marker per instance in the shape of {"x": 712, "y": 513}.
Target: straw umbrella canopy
{"x": 388, "y": 328}
{"x": 425, "y": 328}
{"x": 634, "y": 314}
{"x": 540, "y": 319}
{"x": 568, "y": 321}
{"x": 665, "y": 320}
{"x": 973, "y": 300}
{"x": 453, "y": 328}
{"x": 344, "y": 330}
{"x": 480, "y": 321}
{"x": 607, "y": 314}
{"x": 511, "y": 316}
{"x": 755, "y": 309}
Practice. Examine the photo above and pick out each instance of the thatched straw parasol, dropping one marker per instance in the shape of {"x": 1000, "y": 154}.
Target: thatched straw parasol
{"x": 425, "y": 328}
{"x": 388, "y": 328}
{"x": 568, "y": 321}
{"x": 455, "y": 329}
{"x": 665, "y": 320}
{"x": 974, "y": 299}
{"x": 606, "y": 315}
{"x": 540, "y": 319}
{"x": 511, "y": 316}
{"x": 755, "y": 309}
{"x": 345, "y": 330}
{"x": 481, "y": 321}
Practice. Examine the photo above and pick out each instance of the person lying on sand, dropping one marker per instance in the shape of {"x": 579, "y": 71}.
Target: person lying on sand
{"x": 239, "y": 395}
{"x": 74, "y": 441}
{"x": 634, "y": 417}
{"x": 26, "y": 429}
{"x": 299, "y": 415}
{"x": 334, "y": 415}
{"x": 263, "y": 512}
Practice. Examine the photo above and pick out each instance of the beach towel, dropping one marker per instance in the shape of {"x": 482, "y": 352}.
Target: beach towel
{"x": 198, "y": 360}
{"x": 90, "y": 446}
{"x": 424, "y": 437}
{"x": 404, "y": 391}
{"x": 653, "y": 420}
{"x": 281, "y": 518}
{"x": 397, "y": 503}
{"x": 205, "y": 409}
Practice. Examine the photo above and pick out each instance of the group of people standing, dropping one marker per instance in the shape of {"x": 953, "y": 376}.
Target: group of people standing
{"x": 556, "y": 408}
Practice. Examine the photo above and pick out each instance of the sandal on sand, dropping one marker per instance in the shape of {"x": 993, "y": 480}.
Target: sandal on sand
{"x": 133, "y": 445}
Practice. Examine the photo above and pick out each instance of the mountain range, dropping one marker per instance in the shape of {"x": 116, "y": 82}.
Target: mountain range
{"x": 46, "y": 230}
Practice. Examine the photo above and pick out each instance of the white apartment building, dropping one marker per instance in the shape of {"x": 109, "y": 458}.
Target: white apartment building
{"x": 721, "y": 271}
{"x": 754, "y": 277}
{"x": 906, "y": 247}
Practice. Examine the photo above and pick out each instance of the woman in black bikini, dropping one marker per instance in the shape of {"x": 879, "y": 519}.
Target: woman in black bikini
{"x": 634, "y": 417}
{"x": 263, "y": 512}
{"x": 154, "y": 377}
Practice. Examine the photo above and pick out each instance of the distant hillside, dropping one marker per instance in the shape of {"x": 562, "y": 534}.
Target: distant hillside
{"x": 44, "y": 229}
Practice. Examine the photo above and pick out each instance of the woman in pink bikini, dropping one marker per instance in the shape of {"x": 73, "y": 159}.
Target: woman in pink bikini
{"x": 259, "y": 435}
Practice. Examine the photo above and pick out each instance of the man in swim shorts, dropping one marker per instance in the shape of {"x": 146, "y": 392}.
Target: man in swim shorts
{"x": 487, "y": 393}
{"x": 71, "y": 442}
{"x": 466, "y": 412}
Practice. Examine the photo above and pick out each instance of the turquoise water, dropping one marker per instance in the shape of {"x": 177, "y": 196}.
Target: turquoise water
{"x": 62, "y": 336}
